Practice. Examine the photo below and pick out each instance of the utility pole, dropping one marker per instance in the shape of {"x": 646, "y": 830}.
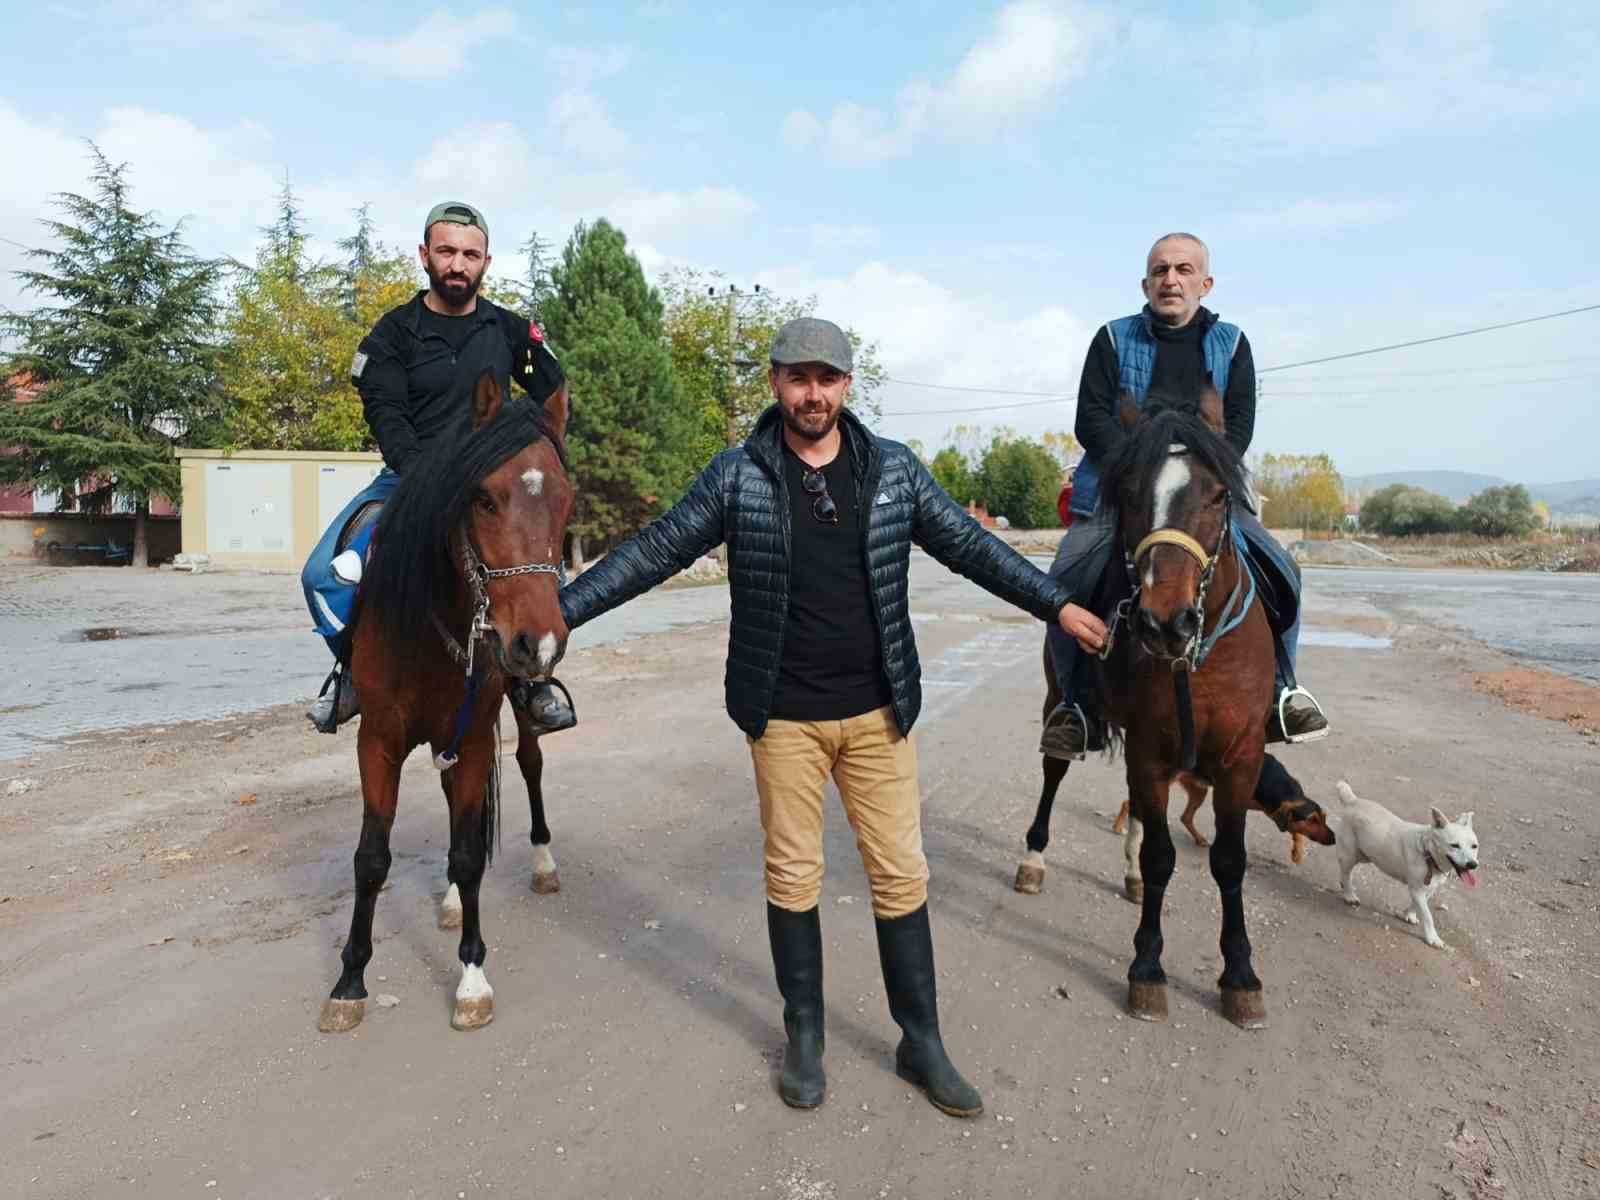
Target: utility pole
{"x": 732, "y": 363}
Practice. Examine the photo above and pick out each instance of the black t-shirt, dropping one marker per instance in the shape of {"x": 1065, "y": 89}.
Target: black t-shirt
{"x": 832, "y": 665}
{"x": 454, "y": 330}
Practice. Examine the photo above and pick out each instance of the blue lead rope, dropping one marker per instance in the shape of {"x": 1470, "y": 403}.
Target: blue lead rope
{"x": 1231, "y": 619}
{"x": 451, "y": 755}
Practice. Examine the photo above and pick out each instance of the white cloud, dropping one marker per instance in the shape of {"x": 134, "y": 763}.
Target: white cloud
{"x": 659, "y": 215}
{"x": 1312, "y": 218}
{"x": 1017, "y": 69}
{"x": 584, "y": 126}
{"x": 932, "y": 332}
{"x": 437, "y": 47}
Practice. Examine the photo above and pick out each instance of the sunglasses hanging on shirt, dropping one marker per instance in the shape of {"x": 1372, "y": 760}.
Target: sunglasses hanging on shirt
{"x": 822, "y": 506}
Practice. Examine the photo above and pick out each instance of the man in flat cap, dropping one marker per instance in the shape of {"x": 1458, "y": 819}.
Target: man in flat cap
{"x": 415, "y": 372}
{"x": 819, "y": 516}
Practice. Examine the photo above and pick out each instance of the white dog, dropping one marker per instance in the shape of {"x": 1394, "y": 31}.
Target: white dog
{"x": 1420, "y": 856}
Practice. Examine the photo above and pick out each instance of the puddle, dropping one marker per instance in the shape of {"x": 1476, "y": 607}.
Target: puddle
{"x": 1338, "y": 639}
{"x": 105, "y": 633}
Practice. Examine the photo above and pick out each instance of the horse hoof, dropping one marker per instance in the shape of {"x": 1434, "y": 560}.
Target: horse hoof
{"x": 1030, "y": 880}
{"x": 1147, "y": 1001}
{"x": 1133, "y": 889}
{"x": 472, "y": 1014}
{"x": 546, "y": 883}
{"x": 1247, "y": 1010}
{"x": 341, "y": 1016}
{"x": 1200, "y": 841}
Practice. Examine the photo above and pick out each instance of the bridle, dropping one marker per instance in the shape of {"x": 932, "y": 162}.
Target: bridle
{"x": 1199, "y": 647}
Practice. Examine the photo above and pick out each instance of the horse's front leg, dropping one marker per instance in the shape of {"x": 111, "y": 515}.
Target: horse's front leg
{"x": 380, "y": 791}
{"x": 530, "y": 759}
{"x": 1030, "y": 872}
{"x": 472, "y": 819}
{"x": 1147, "y": 792}
{"x": 1242, "y": 1000}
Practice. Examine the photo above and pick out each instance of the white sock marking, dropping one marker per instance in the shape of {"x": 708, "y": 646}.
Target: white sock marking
{"x": 534, "y": 479}
{"x": 452, "y": 898}
{"x": 544, "y": 863}
{"x": 1034, "y": 858}
{"x": 474, "y": 984}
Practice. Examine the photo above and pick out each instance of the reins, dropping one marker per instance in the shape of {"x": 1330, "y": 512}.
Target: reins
{"x": 1200, "y": 645}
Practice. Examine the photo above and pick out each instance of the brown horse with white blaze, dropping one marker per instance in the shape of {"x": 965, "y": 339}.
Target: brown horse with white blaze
{"x": 461, "y": 596}
{"x": 1189, "y": 674}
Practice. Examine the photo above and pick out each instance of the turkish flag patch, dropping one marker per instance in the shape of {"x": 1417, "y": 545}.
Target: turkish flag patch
{"x": 535, "y": 334}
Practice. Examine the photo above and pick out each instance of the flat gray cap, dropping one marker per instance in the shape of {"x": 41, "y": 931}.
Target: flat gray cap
{"x": 812, "y": 340}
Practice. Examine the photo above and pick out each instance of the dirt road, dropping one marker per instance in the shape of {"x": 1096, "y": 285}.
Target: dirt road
{"x": 173, "y": 905}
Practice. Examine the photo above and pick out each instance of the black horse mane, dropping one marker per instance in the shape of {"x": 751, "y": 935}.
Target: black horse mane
{"x": 416, "y": 568}
{"x": 1143, "y": 452}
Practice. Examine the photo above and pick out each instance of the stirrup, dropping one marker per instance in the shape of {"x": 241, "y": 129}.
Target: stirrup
{"x": 1088, "y": 736}
{"x": 519, "y": 692}
{"x": 1284, "y": 697}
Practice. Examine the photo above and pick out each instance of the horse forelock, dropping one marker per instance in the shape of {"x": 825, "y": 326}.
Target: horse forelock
{"x": 1156, "y": 462}
{"x": 416, "y": 567}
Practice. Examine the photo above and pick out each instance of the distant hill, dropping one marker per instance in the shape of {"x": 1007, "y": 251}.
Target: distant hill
{"x": 1571, "y": 498}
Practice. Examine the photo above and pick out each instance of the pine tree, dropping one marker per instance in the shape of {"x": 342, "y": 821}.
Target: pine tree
{"x": 293, "y": 329}
{"x": 124, "y": 351}
{"x": 629, "y": 439}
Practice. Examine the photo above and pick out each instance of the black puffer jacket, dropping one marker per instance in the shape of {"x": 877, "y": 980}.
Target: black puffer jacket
{"x": 741, "y": 499}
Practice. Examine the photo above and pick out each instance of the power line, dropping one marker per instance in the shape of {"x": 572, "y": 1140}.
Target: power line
{"x": 1056, "y": 397}
{"x": 934, "y": 412}
{"x": 953, "y": 387}
{"x": 1449, "y": 387}
{"x": 1443, "y": 337}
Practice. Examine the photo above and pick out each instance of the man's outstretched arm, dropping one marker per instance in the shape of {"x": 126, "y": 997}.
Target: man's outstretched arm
{"x": 690, "y": 528}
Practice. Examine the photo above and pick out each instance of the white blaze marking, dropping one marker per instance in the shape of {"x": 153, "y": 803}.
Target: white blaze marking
{"x": 534, "y": 478}
{"x": 544, "y": 863}
{"x": 474, "y": 984}
{"x": 1173, "y": 479}
{"x": 547, "y": 651}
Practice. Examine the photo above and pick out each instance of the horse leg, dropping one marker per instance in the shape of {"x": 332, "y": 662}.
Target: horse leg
{"x": 1030, "y": 872}
{"x": 472, "y": 813}
{"x": 1197, "y": 797}
{"x": 1242, "y": 1001}
{"x": 1147, "y": 982}
{"x": 530, "y": 759}
{"x": 380, "y": 793}
{"x": 1132, "y": 847}
{"x": 450, "y": 906}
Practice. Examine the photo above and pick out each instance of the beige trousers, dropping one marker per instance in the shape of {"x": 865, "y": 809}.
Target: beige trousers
{"x": 876, "y": 771}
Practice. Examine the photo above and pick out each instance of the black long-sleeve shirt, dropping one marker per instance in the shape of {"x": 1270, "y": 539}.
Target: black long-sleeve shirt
{"x": 416, "y": 370}
{"x": 1180, "y": 373}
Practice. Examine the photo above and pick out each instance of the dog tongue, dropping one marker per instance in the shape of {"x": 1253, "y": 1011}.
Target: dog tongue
{"x": 1468, "y": 878}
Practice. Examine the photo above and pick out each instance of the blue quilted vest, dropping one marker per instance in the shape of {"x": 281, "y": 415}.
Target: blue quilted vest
{"x": 1135, "y": 348}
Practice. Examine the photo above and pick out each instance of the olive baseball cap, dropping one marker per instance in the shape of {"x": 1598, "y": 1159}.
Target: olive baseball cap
{"x": 456, "y": 213}
{"x": 812, "y": 340}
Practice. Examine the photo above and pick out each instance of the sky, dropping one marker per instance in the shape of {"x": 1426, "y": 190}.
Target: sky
{"x": 974, "y": 187}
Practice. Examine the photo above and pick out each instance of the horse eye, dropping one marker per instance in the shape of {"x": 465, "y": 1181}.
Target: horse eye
{"x": 484, "y": 501}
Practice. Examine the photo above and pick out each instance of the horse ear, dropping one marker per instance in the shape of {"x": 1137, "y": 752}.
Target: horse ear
{"x": 1211, "y": 410}
{"x": 486, "y": 400}
{"x": 1127, "y": 412}
{"x": 556, "y": 411}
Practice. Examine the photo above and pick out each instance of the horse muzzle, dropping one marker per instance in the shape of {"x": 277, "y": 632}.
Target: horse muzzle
{"x": 1170, "y": 638}
{"x": 530, "y": 655}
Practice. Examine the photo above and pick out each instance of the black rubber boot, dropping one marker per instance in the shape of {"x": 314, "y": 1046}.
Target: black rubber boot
{"x": 797, "y": 960}
{"x": 546, "y": 709}
{"x": 905, "y": 948}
